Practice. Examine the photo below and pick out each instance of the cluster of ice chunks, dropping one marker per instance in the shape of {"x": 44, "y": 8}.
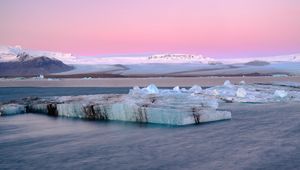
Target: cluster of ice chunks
{"x": 178, "y": 105}
{"x": 228, "y": 92}
{"x": 254, "y": 93}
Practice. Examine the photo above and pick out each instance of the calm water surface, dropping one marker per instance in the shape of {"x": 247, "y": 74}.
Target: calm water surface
{"x": 258, "y": 137}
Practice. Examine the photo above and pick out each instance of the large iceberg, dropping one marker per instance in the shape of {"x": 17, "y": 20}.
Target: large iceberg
{"x": 146, "y": 105}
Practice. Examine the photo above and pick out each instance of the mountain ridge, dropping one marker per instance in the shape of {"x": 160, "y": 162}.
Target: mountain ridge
{"x": 18, "y": 62}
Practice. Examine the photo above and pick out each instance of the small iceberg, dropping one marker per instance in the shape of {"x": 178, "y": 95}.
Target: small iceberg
{"x": 227, "y": 83}
{"x": 195, "y": 89}
{"x": 152, "y": 89}
{"x": 177, "y": 89}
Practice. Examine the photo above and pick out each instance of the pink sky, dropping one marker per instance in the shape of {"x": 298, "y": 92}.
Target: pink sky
{"x": 216, "y": 28}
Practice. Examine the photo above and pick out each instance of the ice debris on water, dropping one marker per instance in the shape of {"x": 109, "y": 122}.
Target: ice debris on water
{"x": 227, "y": 83}
{"x": 152, "y": 89}
{"x": 253, "y": 93}
{"x": 152, "y": 105}
{"x": 195, "y": 89}
{"x": 183, "y": 90}
{"x": 177, "y": 89}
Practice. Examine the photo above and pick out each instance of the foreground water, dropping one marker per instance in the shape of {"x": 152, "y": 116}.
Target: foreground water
{"x": 258, "y": 137}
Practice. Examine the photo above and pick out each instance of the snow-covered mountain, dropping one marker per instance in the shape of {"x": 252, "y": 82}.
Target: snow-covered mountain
{"x": 15, "y": 61}
{"x": 181, "y": 58}
{"x": 11, "y": 54}
{"x": 148, "y": 59}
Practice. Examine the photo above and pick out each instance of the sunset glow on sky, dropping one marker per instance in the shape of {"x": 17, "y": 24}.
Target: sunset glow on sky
{"x": 216, "y": 28}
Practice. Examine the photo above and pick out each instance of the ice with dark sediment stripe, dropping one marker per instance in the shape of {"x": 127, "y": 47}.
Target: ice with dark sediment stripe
{"x": 146, "y": 105}
{"x": 172, "y": 109}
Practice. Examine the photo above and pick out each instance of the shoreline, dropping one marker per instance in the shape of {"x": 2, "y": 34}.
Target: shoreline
{"x": 130, "y": 82}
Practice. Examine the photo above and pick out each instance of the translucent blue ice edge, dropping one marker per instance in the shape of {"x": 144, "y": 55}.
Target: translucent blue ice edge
{"x": 123, "y": 112}
{"x": 162, "y": 108}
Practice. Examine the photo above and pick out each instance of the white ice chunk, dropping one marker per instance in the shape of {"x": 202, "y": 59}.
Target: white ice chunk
{"x": 184, "y": 90}
{"x": 195, "y": 89}
{"x": 177, "y": 89}
{"x": 227, "y": 83}
{"x": 136, "y": 88}
{"x": 242, "y": 82}
{"x": 215, "y": 92}
{"x": 280, "y": 93}
{"x": 241, "y": 92}
{"x": 152, "y": 89}
{"x": 135, "y": 91}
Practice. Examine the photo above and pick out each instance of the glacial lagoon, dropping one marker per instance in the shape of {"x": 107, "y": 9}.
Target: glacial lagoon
{"x": 259, "y": 136}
